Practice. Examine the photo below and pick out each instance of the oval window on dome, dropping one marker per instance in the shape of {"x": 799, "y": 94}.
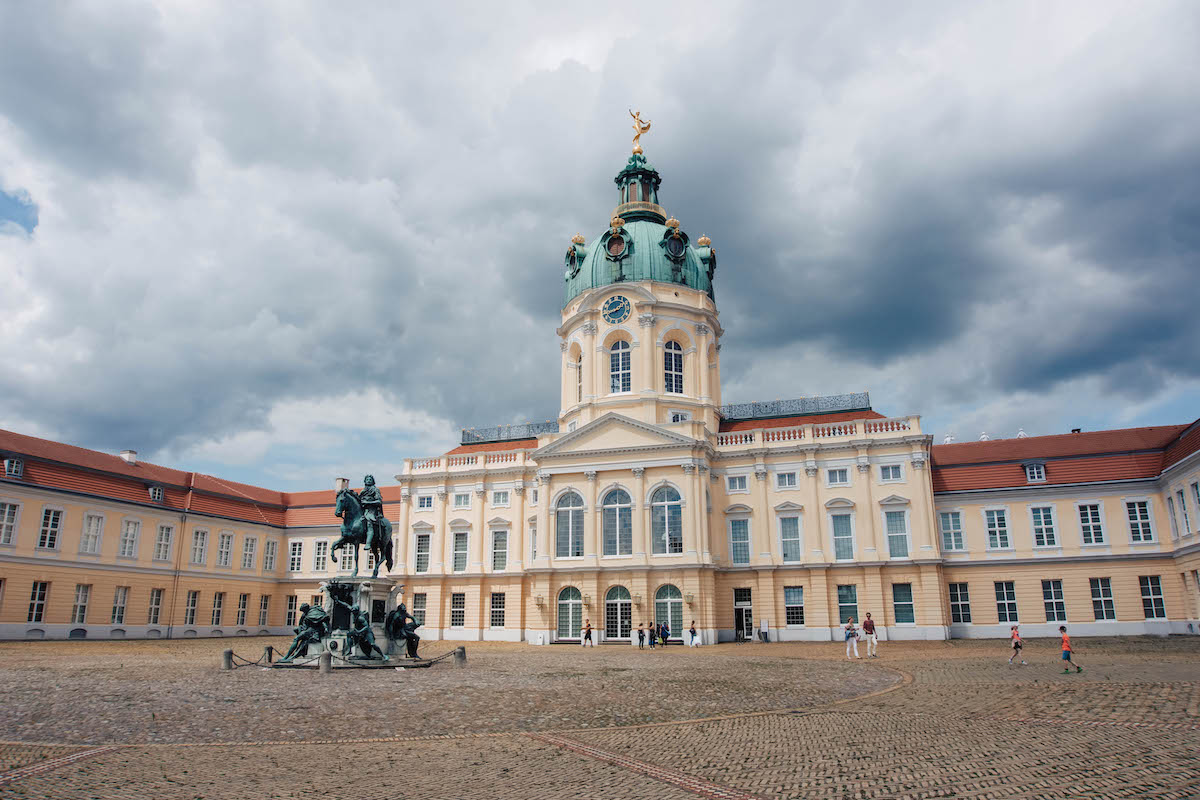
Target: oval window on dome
{"x": 616, "y": 246}
{"x": 675, "y": 247}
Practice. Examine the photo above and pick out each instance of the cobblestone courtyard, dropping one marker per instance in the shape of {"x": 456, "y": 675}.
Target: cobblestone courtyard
{"x": 938, "y": 719}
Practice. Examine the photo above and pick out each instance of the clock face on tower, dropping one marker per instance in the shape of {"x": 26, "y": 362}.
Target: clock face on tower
{"x": 616, "y": 310}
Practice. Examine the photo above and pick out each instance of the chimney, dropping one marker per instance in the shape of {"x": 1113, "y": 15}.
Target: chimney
{"x": 1076, "y": 430}
{"x": 129, "y": 456}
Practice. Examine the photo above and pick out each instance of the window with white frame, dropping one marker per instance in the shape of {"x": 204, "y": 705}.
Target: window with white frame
{"x": 499, "y": 550}
{"x": 131, "y": 529}
{"x": 295, "y": 556}
{"x": 156, "y": 494}
{"x": 679, "y": 416}
{"x": 1035, "y": 473}
{"x": 93, "y": 527}
{"x": 154, "y": 609}
{"x": 1183, "y": 512}
{"x": 500, "y": 498}
{"x": 348, "y": 552}
{"x": 903, "y": 608}
{"x": 996, "y": 520}
{"x": 8, "y": 522}
{"x": 735, "y": 483}
{"x": 785, "y": 480}
{"x": 418, "y": 608}
{"x": 1052, "y": 597}
{"x": 13, "y": 467}
{"x": 568, "y": 537}
{"x": 37, "y": 601}
{"x": 890, "y": 473}
{"x": 460, "y": 551}
{"x": 225, "y": 549}
{"x": 532, "y": 539}
{"x": 960, "y": 603}
{"x": 1006, "y": 601}
{"x": 673, "y": 368}
{"x": 1103, "y": 604}
{"x": 896, "y": 524}
{"x": 496, "y": 617}
{"x": 462, "y": 499}
{"x": 847, "y": 595}
{"x": 1140, "y": 529}
{"x": 120, "y": 600}
{"x": 320, "y": 556}
{"x": 1091, "y": 529}
{"x": 199, "y": 546}
{"x": 843, "y": 536}
{"x": 243, "y": 602}
{"x": 1171, "y": 515}
{"x": 1043, "y": 526}
{"x": 51, "y": 526}
{"x": 619, "y": 371}
{"x": 162, "y": 542}
{"x": 666, "y": 521}
{"x": 83, "y": 591}
{"x": 739, "y": 541}
{"x": 617, "y": 513}
{"x": 1196, "y": 497}
{"x": 249, "y": 552}
{"x": 422, "y": 552}
{"x": 789, "y": 538}
{"x": 458, "y": 610}
{"x": 579, "y": 379}
{"x": 950, "y": 523}
{"x": 270, "y": 551}
{"x": 424, "y": 502}
{"x": 189, "y": 609}
{"x": 293, "y": 605}
{"x": 218, "y": 606}
{"x": 1153, "y": 605}
{"x": 264, "y": 609}
{"x": 837, "y": 477}
{"x": 793, "y": 605}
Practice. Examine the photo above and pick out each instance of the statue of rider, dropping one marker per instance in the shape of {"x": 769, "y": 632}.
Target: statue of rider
{"x": 372, "y": 506}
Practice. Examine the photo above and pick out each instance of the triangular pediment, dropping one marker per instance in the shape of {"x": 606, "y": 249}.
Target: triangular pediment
{"x": 894, "y": 500}
{"x": 611, "y": 433}
{"x": 789, "y": 506}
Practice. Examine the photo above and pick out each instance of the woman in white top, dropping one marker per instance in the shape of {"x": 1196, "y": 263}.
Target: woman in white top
{"x": 851, "y": 638}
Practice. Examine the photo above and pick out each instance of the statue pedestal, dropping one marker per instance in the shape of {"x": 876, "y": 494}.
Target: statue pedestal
{"x": 376, "y": 597}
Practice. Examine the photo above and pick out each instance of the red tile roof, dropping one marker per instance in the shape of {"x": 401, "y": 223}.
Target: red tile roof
{"x": 805, "y": 419}
{"x": 90, "y": 459}
{"x": 1187, "y": 443}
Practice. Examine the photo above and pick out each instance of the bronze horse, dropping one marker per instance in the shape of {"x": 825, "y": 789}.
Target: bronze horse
{"x": 355, "y": 533}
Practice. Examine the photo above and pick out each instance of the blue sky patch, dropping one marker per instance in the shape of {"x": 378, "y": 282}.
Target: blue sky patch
{"x": 19, "y": 208}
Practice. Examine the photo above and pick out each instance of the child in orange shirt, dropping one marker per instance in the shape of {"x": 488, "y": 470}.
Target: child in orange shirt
{"x": 1066, "y": 651}
{"x": 1016, "y": 646}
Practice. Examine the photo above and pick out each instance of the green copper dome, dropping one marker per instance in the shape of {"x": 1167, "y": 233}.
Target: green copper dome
{"x": 641, "y": 244}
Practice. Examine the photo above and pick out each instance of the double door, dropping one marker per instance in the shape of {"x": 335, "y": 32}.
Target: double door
{"x": 743, "y": 623}
{"x": 618, "y": 619}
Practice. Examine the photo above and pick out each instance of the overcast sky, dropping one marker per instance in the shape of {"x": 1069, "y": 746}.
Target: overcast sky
{"x": 281, "y": 242}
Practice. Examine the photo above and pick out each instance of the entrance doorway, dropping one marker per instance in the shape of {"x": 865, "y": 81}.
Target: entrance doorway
{"x": 743, "y": 615}
{"x": 570, "y": 613}
{"x": 618, "y": 613}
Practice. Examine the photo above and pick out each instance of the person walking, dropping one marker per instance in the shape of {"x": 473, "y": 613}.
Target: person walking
{"x": 851, "y": 638}
{"x": 664, "y": 631}
{"x": 1016, "y": 646}
{"x": 693, "y": 637}
{"x": 1067, "y": 652}
{"x": 652, "y": 634}
{"x": 868, "y": 629}
{"x": 641, "y": 637}
{"x": 587, "y": 634}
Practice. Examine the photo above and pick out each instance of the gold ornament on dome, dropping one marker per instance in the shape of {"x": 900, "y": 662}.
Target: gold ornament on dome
{"x": 640, "y": 127}
{"x": 577, "y": 239}
{"x": 617, "y": 223}
{"x": 704, "y": 241}
{"x": 672, "y": 223}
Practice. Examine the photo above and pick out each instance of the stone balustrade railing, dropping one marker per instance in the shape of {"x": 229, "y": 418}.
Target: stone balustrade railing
{"x": 465, "y": 462}
{"x": 822, "y": 432}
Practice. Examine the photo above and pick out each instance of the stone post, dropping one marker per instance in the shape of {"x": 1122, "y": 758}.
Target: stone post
{"x": 227, "y": 659}
{"x": 460, "y": 656}
{"x": 326, "y": 662}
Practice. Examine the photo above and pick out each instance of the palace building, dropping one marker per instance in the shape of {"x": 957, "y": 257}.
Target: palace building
{"x": 647, "y": 500}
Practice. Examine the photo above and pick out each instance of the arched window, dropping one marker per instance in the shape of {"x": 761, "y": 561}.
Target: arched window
{"x": 666, "y": 515}
{"x": 618, "y": 613}
{"x": 568, "y": 539}
{"x": 618, "y": 367}
{"x": 570, "y": 613}
{"x": 668, "y": 609}
{"x": 618, "y": 523}
{"x": 579, "y": 379}
{"x": 673, "y": 367}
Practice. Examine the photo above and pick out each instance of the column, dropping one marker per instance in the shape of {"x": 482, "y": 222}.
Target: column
{"x": 641, "y": 517}
{"x": 702, "y": 532}
{"x": 760, "y": 525}
{"x": 593, "y": 379}
{"x": 544, "y": 528}
{"x": 691, "y": 527}
{"x": 591, "y": 522}
{"x": 516, "y": 547}
{"x": 867, "y": 522}
{"x": 400, "y": 536}
{"x": 923, "y": 518}
{"x": 702, "y": 332}
{"x": 567, "y": 378}
{"x": 478, "y": 546}
{"x": 649, "y": 353}
{"x": 814, "y": 533}
{"x": 440, "y": 544}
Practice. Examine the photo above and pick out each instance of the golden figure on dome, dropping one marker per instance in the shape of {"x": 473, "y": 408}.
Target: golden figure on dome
{"x": 640, "y": 127}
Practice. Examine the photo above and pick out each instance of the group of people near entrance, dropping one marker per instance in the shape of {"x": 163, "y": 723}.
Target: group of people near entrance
{"x": 658, "y": 634}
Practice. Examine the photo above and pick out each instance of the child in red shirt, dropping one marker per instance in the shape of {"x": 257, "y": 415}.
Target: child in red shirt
{"x": 1066, "y": 652}
{"x": 1016, "y": 646}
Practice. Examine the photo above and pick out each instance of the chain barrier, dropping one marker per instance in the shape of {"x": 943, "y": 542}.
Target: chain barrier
{"x": 265, "y": 660}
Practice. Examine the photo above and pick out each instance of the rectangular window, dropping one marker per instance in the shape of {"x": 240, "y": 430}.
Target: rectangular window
{"x": 889, "y": 472}
{"x": 270, "y": 550}
{"x": 1052, "y": 596}
{"x": 1043, "y": 526}
{"x": 243, "y": 602}
{"x": 532, "y": 541}
{"x": 462, "y": 500}
{"x": 1183, "y": 512}
{"x": 189, "y": 610}
{"x": 295, "y": 556}
{"x": 960, "y": 603}
{"x": 320, "y": 556}
{"x": 897, "y": 533}
{"x": 1174, "y": 521}
{"x": 218, "y": 605}
{"x": 82, "y": 592}
{"x": 424, "y": 502}
{"x": 785, "y": 480}
{"x": 902, "y": 604}
{"x": 13, "y": 467}
{"x": 292, "y": 607}
{"x": 533, "y": 498}
{"x": 422, "y": 552}
{"x": 789, "y": 535}
{"x": 162, "y": 542}
{"x": 1195, "y": 500}
{"x": 418, "y": 608}
{"x": 264, "y": 608}
{"x": 460, "y": 551}
{"x": 837, "y": 477}
{"x": 225, "y": 549}
{"x": 499, "y": 550}
{"x": 499, "y": 498}
{"x": 347, "y": 559}
{"x": 8, "y": 522}
{"x": 316, "y": 600}
{"x": 154, "y": 610}
{"x": 120, "y": 599}
{"x": 847, "y": 603}
{"x": 739, "y": 541}
{"x": 1103, "y": 605}
{"x": 130, "y": 530}
{"x": 1090, "y": 527}
{"x": 1153, "y": 604}
{"x": 680, "y": 416}
{"x": 199, "y": 546}
{"x": 458, "y": 610}
{"x": 793, "y": 605}
{"x": 497, "y": 617}
{"x": 51, "y": 522}
{"x": 997, "y": 529}
{"x": 1006, "y": 601}
{"x": 736, "y": 483}
{"x": 1035, "y": 473}
{"x": 93, "y": 526}
{"x": 950, "y": 523}
{"x": 843, "y": 537}
{"x": 1139, "y": 521}
{"x": 37, "y": 601}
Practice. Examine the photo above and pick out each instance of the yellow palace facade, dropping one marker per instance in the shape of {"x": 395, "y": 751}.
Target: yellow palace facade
{"x": 646, "y": 501}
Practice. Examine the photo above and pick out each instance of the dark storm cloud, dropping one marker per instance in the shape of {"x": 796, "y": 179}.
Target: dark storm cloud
{"x": 245, "y": 216}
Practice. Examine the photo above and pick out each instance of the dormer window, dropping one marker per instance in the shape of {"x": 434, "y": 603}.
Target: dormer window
{"x": 13, "y": 468}
{"x": 1035, "y": 473}
{"x": 156, "y": 494}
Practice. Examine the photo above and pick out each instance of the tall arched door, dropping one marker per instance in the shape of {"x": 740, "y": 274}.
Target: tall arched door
{"x": 668, "y": 608}
{"x": 618, "y": 613}
{"x": 570, "y": 613}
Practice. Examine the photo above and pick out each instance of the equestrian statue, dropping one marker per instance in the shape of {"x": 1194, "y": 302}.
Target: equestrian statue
{"x": 363, "y": 523}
